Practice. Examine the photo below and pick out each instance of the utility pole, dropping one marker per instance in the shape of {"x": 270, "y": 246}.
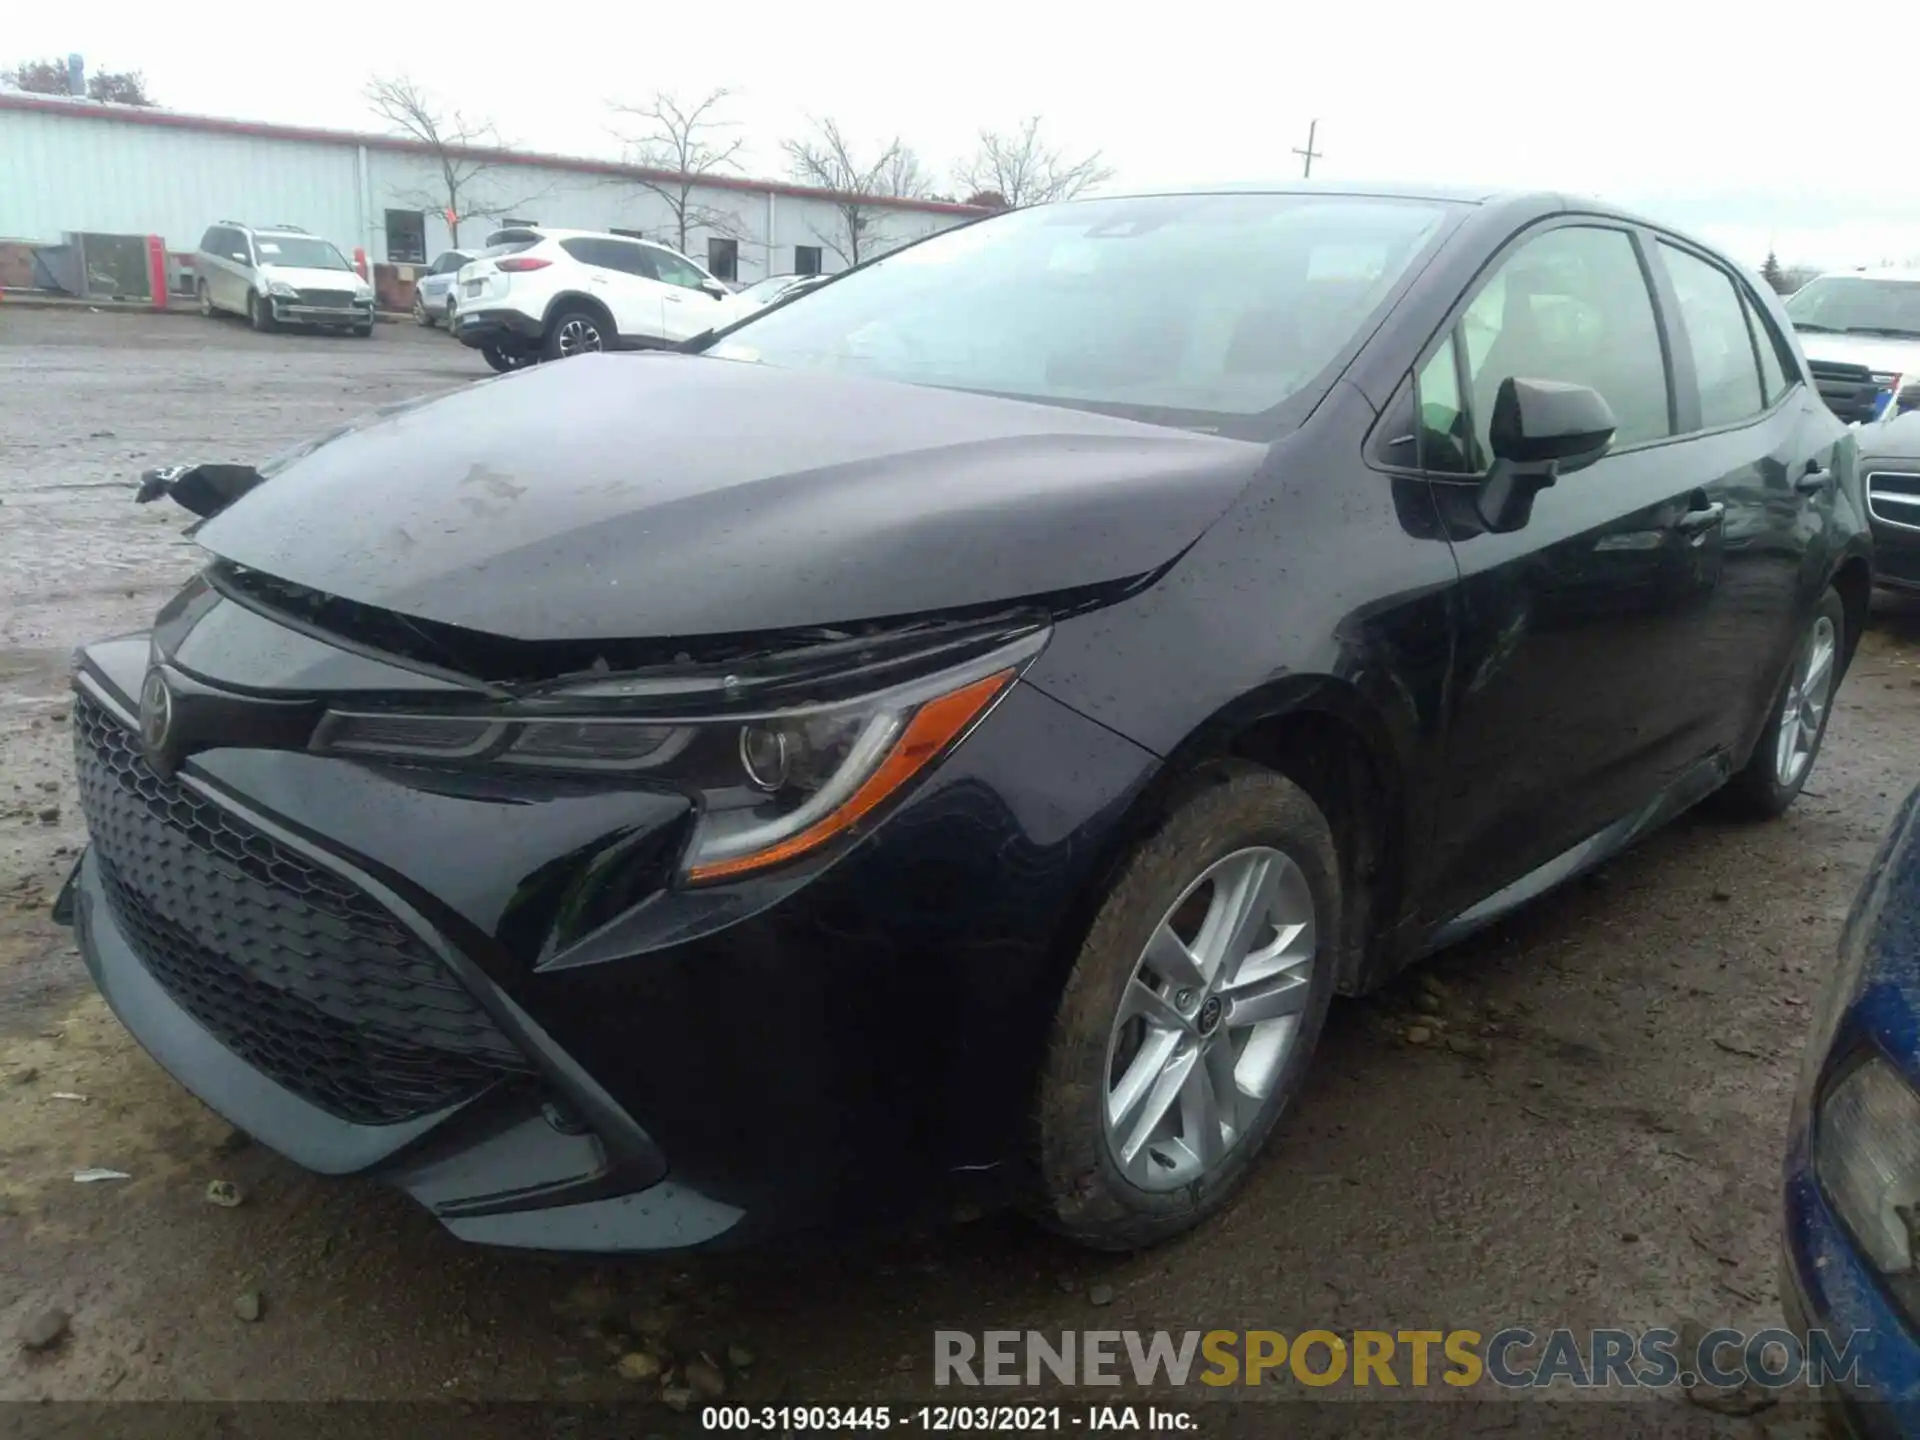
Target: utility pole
{"x": 1309, "y": 155}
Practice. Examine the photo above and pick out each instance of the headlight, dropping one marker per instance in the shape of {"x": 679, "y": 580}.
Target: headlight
{"x": 772, "y": 784}
{"x": 363, "y": 292}
{"x": 1866, "y": 1153}
{"x": 282, "y": 289}
{"x": 1846, "y": 980}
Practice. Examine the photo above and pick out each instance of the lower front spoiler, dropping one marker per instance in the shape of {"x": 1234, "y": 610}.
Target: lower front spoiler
{"x": 496, "y": 1170}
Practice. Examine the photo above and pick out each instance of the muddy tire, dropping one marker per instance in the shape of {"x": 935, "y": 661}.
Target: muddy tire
{"x": 205, "y": 297}
{"x": 1100, "y": 1169}
{"x": 505, "y": 360}
{"x": 260, "y": 313}
{"x": 1790, "y": 739}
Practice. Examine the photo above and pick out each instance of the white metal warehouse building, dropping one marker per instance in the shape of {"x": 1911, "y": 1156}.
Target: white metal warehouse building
{"x": 82, "y": 166}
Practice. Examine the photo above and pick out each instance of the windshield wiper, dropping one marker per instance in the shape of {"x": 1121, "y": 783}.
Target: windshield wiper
{"x": 1808, "y": 325}
{"x": 1895, "y": 331}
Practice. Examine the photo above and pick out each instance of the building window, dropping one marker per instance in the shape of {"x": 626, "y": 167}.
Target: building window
{"x": 723, "y": 258}
{"x": 806, "y": 259}
{"x": 406, "y": 237}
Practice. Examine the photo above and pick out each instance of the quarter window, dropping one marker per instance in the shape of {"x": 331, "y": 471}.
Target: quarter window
{"x": 1776, "y": 361}
{"x": 1571, "y": 305}
{"x": 1715, "y": 321}
{"x": 1445, "y": 429}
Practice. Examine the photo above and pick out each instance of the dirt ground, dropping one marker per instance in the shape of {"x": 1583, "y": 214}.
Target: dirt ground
{"x": 1611, "y": 1159}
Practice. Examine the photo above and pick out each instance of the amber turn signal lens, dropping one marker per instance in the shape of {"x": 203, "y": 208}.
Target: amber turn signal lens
{"x": 933, "y": 728}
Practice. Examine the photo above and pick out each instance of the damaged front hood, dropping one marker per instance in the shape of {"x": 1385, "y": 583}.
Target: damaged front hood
{"x": 613, "y": 496}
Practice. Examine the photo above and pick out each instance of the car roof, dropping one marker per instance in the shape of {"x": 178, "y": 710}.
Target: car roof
{"x": 1899, "y": 274}
{"x": 548, "y": 232}
{"x": 1457, "y": 194}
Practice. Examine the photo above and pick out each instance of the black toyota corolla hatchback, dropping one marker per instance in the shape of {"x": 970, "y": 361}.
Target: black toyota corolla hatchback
{"x": 958, "y": 729}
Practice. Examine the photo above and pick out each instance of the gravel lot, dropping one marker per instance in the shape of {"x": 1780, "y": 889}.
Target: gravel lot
{"x": 1610, "y": 1159}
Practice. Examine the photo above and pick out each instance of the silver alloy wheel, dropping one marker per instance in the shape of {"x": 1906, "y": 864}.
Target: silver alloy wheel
{"x": 1209, "y": 1018}
{"x": 578, "y": 336}
{"x": 206, "y": 300}
{"x": 1806, "y": 703}
{"x": 420, "y": 309}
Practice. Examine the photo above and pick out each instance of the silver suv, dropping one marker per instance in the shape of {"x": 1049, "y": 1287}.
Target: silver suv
{"x": 280, "y": 276}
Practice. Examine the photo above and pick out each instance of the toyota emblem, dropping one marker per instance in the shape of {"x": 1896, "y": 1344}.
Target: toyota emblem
{"x": 156, "y": 718}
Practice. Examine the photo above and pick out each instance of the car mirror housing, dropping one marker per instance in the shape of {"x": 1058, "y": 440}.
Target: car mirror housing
{"x": 1542, "y": 422}
{"x": 1539, "y": 431}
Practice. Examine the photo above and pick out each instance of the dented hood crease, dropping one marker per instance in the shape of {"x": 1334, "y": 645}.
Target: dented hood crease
{"x": 626, "y": 496}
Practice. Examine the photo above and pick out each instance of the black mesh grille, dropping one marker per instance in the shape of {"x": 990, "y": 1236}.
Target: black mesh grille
{"x": 330, "y": 299}
{"x": 1849, "y": 390}
{"x": 287, "y": 964}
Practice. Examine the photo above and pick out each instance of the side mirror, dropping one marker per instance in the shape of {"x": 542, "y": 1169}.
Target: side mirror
{"x": 714, "y": 289}
{"x": 1548, "y": 422}
{"x": 1539, "y": 431}
{"x": 1908, "y": 399}
{"x": 242, "y": 257}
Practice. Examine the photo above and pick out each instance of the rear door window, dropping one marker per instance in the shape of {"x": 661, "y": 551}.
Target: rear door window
{"x": 1714, "y": 319}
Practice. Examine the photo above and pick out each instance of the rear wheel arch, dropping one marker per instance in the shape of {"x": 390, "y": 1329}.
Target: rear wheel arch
{"x": 577, "y": 300}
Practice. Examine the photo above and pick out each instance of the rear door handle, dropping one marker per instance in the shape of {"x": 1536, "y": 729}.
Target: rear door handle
{"x": 1814, "y": 481}
{"x": 1694, "y": 522}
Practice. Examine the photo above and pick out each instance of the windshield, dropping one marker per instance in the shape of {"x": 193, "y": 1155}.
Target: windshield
{"x": 1214, "y": 305}
{"x": 1848, "y": 302}
{"x": 299, "y": 252}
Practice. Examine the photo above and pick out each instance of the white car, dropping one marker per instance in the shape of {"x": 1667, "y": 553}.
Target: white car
{"x": 280, "y": 276}
{"x": 1861, "y": 332}
{"x": 538, "y": 294}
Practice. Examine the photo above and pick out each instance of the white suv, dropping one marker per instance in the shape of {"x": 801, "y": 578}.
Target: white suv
{"x": 538, "y": 294}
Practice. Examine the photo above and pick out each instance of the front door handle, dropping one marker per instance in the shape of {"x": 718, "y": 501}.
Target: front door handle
{"x": 1696, "y": 522}
{"x": 1815, "y": 480}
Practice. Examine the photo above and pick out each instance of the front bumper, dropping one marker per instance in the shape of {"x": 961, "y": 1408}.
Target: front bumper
{"x": 502, "y": 328}
{"x": 357, "y": 316}
{"x": 814, "y": 1051}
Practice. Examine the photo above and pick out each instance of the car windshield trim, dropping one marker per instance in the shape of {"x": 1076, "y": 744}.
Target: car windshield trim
{"x": 1214, "y": 312}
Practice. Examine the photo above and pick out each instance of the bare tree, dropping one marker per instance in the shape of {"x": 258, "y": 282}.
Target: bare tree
{"x": 1022, "y": 169}
{"x": 461, "y": 194}
{"x": 684, "y": 144}
{"x": 827, "y": 161}
{"x": 49, "y": 77}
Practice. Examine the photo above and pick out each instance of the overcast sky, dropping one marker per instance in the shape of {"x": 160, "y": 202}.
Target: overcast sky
{"x": 1731, "y": 132}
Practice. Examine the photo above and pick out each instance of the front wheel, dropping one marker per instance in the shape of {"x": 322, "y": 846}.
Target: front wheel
{"x": 206, "y": 299}
{"x": 421, "y": 316}
{"x": 1190, "y": 1015}
{"x": 259, "y": 312}
{"x": 1790, "y": 740}
{"x": 365, "y": 332}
